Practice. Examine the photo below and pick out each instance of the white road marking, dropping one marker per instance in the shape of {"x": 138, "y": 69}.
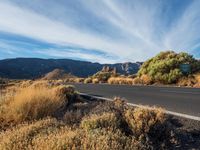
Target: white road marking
{"x": 148, "y": 107}
{"x": 180, "y": 92}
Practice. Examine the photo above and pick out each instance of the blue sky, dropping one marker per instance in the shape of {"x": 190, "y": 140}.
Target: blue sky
{"x": 105, "y": 31}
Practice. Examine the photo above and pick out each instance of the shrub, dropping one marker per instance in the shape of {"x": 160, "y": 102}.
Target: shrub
{"x": 187, "y": 81}
{"x": 51, "y": 134}
{"x": 103, "y": 139}
{"x": 151, "y": 127}
{"x": 106, "y": 120}
{"x": 20, "y": 137}
{"x": 145, "y": 79}
{"x": 35, "y": 103}
{"x": 102, "y": 76}
{"x": 197, "y": 78}
{"x": 88, "y": 80}
{"x": 62, "y": 139}
{"x": 73, "y": 117}
{"x": 119, "y": 103}
{"x": 95, "y": 81}
{"x": 165, "y": 67}
{"x": 120, "y": 80}
{"x": 137, "y": 80}
{"x": 142, "y": 120}
{"x": 110, "y": 125}
{"x": 75, "y": 80}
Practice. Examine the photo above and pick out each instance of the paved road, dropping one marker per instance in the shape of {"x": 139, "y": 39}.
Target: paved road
{"x": 181, "y": 100}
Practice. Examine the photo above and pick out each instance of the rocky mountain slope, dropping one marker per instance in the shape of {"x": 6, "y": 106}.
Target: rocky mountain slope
{"x": 27, "y": 68}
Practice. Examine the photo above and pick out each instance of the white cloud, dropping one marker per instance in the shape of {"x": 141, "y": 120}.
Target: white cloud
{"x": 76, "y": 54}
{"x": 139, "y": 22}
{"x": 185, "y": 34}
{"x": 27, "y": 23}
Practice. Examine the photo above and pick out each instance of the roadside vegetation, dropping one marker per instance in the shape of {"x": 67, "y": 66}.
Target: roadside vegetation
{"x": 49, "y": 115}
{"x": 102, "y": 76}
{"x": 163, "y": 69}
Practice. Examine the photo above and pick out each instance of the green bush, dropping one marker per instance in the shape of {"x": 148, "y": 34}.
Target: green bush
{"x": 165, "y": 67}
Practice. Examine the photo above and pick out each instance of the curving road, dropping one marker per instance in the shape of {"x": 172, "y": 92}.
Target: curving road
{"x": 176, "y": 99}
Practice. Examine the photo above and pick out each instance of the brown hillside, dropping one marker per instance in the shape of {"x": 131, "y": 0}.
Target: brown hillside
{"x": 57, "y": 74}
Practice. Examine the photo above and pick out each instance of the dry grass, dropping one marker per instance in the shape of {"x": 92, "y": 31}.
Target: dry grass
{"x": 187, "y": 81}
{"x": 95, "y": 81}
{"x": 82, "y": 125}
{"x": 190, "y": 81}
{"x": 75, "y": 80}
{"x": 197, "y": 77}
{"x": 35, "y": 102}
{"x": 146, "y": 79}
{"x": 88, "y": 80}
{"x": 121, "y": 80}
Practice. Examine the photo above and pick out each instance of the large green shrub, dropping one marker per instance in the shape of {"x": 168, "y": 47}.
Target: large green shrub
{"x": 165, "y": 67}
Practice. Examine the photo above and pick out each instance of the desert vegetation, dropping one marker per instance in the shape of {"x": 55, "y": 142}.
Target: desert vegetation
{"x": 102, "y": 76}
{"x": 164, "y": 68}
{"x": 50, "y": 115}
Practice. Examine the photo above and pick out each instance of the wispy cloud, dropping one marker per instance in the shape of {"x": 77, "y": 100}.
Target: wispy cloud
{"x": 119, "y": 31}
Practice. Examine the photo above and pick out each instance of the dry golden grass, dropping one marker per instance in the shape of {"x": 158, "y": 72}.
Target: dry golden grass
{"x": 35, "y": 102}
{"x": 121, "y": 80}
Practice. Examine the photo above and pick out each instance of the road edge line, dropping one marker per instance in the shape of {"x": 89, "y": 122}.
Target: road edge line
{"x": 148, "y": 107}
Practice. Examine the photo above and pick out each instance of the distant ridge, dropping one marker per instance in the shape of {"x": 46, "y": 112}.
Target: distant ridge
{"x": 29, "y": 68}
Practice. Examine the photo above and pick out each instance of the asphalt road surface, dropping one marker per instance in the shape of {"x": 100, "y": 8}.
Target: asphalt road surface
{"x": 176, "y": 99}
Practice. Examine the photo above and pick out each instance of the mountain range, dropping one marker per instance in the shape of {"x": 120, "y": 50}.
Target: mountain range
{"x": 31, "y": 68}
